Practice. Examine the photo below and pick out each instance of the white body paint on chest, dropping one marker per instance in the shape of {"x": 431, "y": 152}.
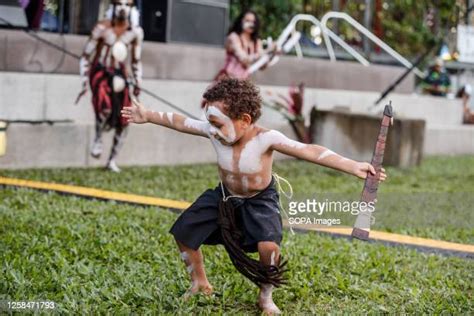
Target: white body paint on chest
{"x": 224, "y": 154}
{"x": 119, "y": 51}
{"x": 109, "y": 37}
{"x": 245, "y": 183}
{"x": 250, "y": 158}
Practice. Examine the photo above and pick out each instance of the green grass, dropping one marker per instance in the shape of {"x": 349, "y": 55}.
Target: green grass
{"x": 433, "y": 201}
{"x": 102, "y": 257}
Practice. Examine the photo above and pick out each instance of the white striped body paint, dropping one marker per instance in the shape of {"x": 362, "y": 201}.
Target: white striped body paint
{"x": 184, "y": 256}
{"x": 246, "y": 168}
{"x": 114, "y": 48}
{"x": 169, "y": 116}
{"x": 190, "y": 268}
{"x": 329, "y": 155}
{"x": 244, "y": 150}
{"x": 199, "y": 126}
{"x": 250, "y": 161}
{"x": 265, "y": 299}
{"x": 272, "y": 258}
{"x": 224, "y": 154}
{"x": 326, "y": 153}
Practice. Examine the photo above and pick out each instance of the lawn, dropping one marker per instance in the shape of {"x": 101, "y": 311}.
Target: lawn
{"x": 102, "y": 257}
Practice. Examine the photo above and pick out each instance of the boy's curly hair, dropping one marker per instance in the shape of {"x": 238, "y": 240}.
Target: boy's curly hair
{"x": 240, "y": 96}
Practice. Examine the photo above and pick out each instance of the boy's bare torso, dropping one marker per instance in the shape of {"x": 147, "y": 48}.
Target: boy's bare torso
{"x": 245, "y": 150}
{"x": 245, "y": 158}
{"x": 245, "y": 168}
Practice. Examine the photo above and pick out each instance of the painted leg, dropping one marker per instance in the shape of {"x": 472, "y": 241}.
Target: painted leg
{"x": 119, "y": 136}
{"x": 194, "y": 262}
{"x": 96, "y": 148}
{"x": 269, "y": 253}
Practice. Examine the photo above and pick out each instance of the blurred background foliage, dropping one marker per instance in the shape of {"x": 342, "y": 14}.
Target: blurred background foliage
{"x": 406, "y": 25}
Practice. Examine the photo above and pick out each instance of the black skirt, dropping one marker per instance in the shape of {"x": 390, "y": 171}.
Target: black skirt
{"x": 258, "y": 218}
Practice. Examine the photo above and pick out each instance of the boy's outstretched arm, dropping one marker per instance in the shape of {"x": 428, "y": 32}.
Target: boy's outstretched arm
{"x": 322, "y": 156}
{"x": 138, "y": 114}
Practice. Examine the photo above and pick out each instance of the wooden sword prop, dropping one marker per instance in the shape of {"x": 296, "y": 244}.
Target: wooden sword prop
{"x": 369, "y": 194}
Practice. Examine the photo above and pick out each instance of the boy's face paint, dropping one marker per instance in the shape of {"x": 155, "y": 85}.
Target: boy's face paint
{"x": 222, "y": 127}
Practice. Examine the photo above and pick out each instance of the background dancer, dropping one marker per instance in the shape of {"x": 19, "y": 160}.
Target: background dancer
{"x": 103, "y": 65}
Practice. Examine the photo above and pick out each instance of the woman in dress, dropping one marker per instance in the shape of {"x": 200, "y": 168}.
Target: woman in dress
{"x": 243, "y": 46}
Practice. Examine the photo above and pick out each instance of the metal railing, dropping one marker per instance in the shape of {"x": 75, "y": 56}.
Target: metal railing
{"x": 346, "y": 17}
{"x": 329, "y": 35}
{"x": 309, "y": 18}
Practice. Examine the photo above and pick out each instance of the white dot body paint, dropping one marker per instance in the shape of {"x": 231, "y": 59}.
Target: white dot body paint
{"x": 213, "y": 110}
{"x": 326, "y": 153}
{"x": 119, "y": 51}
{"x": 258, "y": 180}
{"x": 169, "y": 115}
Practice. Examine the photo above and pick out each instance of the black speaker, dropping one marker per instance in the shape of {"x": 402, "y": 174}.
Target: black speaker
{"x": 154, "y": 15}
{"x": 88, "y": 16}
{"x": 186, "y": 21}
{"x": 12, "y": 14}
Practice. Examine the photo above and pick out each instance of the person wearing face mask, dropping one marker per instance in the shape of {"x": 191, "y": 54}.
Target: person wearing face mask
{"x": 243, "y": 46}
{"x": 104, "y": 66}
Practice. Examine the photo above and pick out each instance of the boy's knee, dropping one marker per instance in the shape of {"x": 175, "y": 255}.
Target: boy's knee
{"x": 266, "y": 248}
{"x": 268, "y": 244}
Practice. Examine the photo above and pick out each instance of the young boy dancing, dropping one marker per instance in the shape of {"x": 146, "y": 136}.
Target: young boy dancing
{"x": 242, "y": 212}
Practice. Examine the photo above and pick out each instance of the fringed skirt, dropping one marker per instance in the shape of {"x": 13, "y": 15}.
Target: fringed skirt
{"x": 258, "y": 218}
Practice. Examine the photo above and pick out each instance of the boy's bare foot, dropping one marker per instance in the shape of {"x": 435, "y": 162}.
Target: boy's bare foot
{"x": 265, "y": 301}
{"x": 268, "y": 307}
{"x": 205, "y": 289}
